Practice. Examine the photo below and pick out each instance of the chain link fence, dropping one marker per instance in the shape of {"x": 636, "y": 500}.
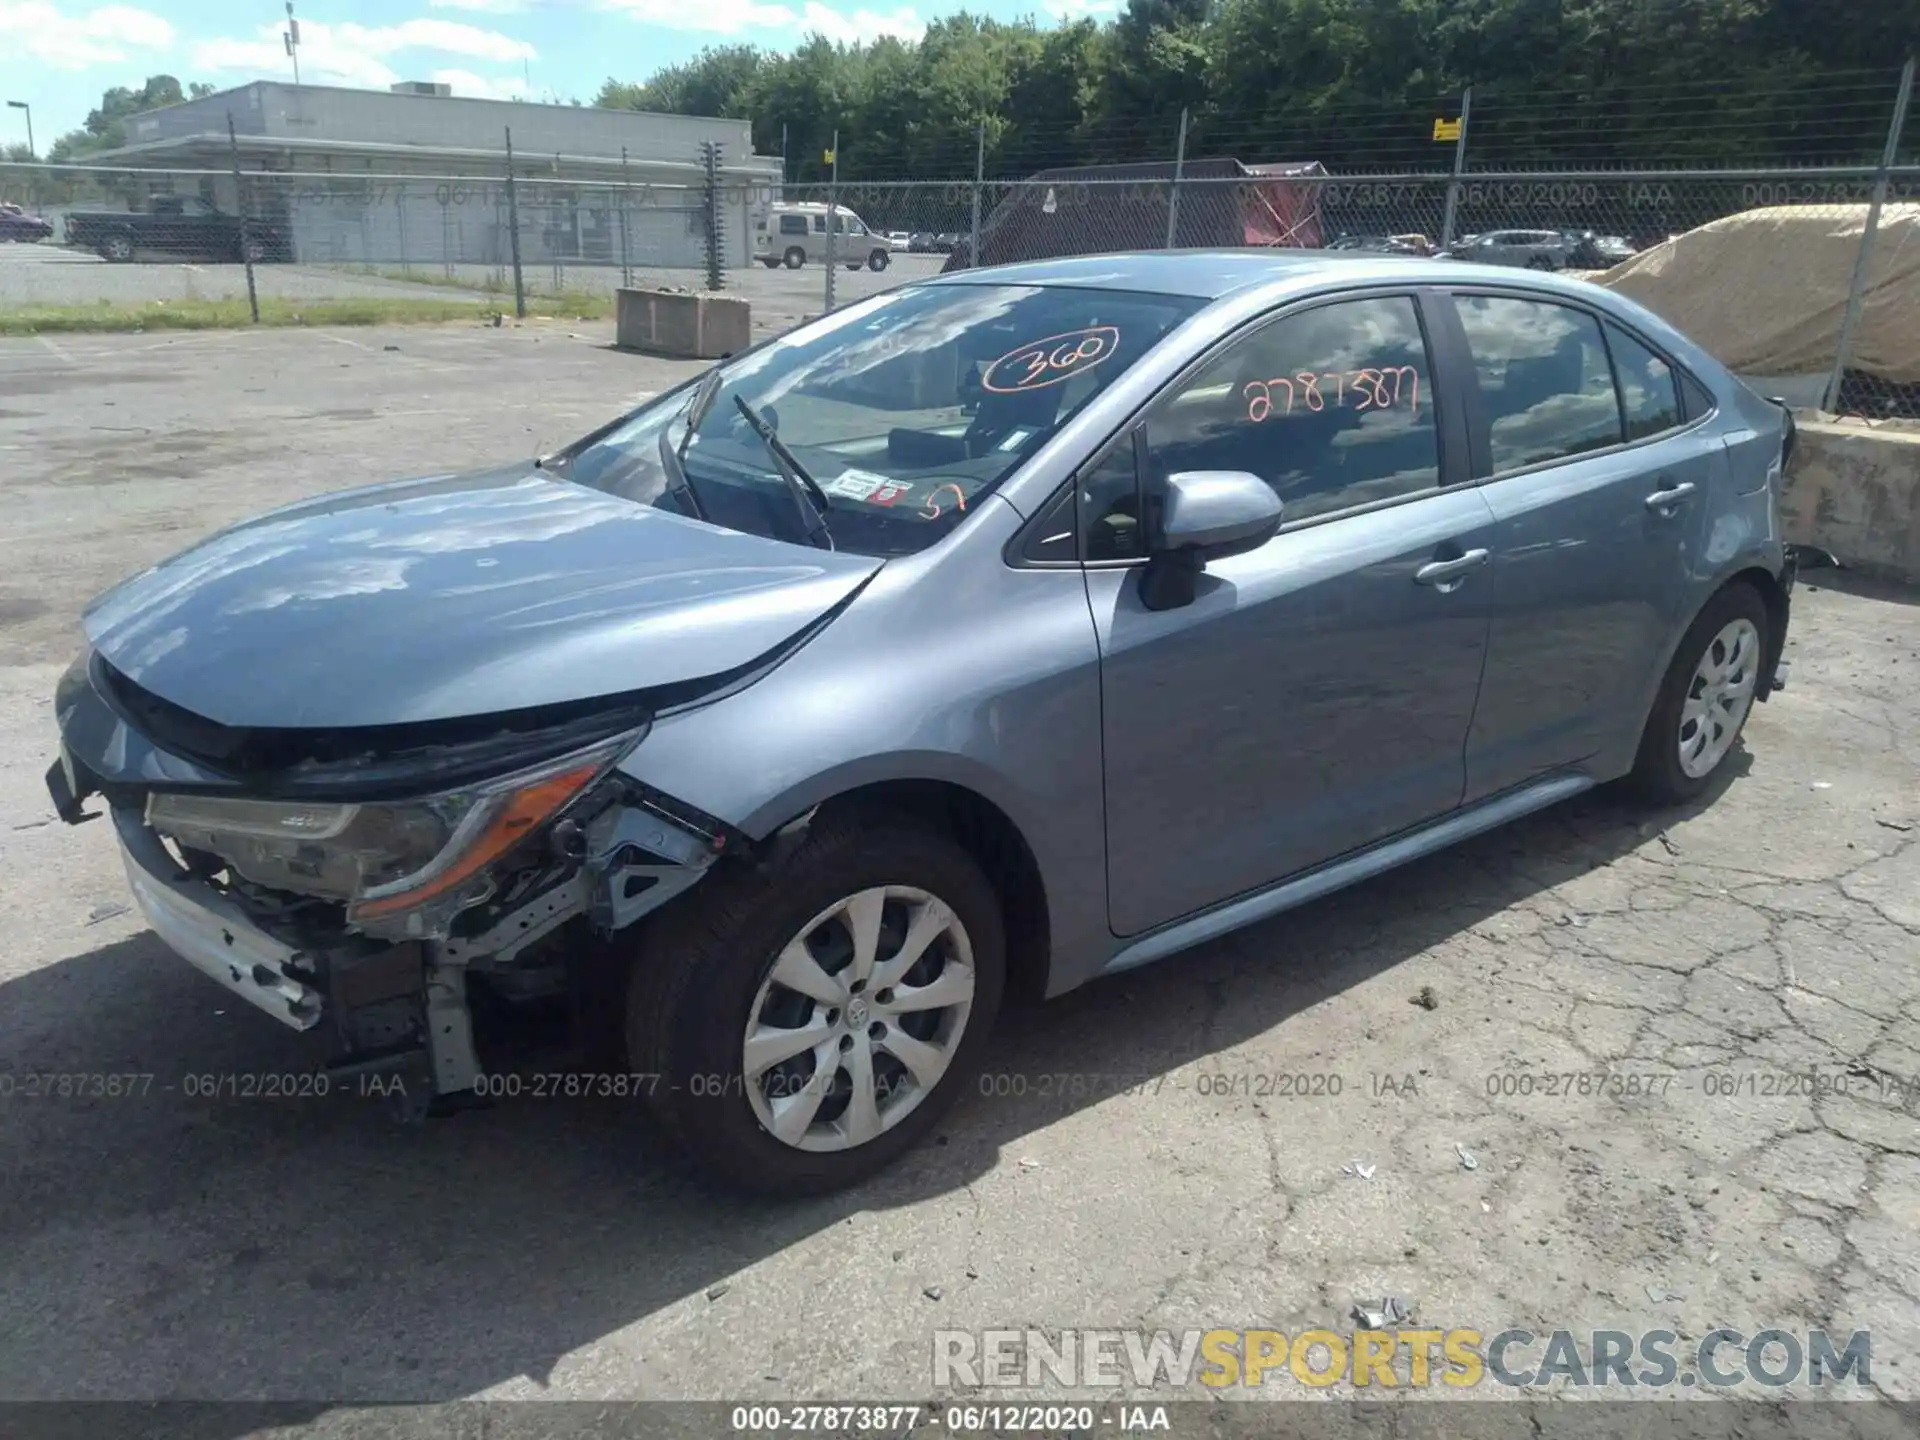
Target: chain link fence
{"x": 1806, "y": 278}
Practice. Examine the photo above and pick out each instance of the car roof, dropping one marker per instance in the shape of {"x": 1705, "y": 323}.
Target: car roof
{"x": 1215, "y": 274}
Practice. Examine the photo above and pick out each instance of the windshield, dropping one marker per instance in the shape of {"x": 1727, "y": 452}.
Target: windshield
{"x": 906, "y": 409}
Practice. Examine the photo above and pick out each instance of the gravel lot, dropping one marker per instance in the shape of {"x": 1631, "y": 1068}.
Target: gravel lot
{"x": 54, "y": 275}
{"x": 166, "y": 1246}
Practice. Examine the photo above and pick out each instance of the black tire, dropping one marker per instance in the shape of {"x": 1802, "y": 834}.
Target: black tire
{"x": 877, "y": 261}
{"x": 1657, "y": 775}
{"x": 795, "y": 257}
{"x": 254, "y": 252}
{"x": 772, "y": 262}
{"x": 1539, "y": 262}
{"x": 701, "y": 966}
{"x": 117, "y": 248}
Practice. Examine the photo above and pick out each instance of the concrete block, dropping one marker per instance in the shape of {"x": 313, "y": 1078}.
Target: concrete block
{"x": 686, "y": 326}
{"x": 1855, "y": 490}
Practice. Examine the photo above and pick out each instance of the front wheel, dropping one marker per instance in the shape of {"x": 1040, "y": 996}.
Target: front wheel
{"x": 878, "y": 260}
{"x": 795, "y": 257}
{"x": 1705, "y": 698}
{"x": 118, "y": 248}
{"x": 806, "y": 1026}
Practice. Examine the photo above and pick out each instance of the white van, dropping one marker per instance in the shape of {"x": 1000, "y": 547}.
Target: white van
{"x": 793, "y": 232}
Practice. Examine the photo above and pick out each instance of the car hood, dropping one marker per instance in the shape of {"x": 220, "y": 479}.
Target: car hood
{"x": 456, "y": 596}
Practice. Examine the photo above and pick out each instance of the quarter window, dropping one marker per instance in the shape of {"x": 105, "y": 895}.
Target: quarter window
{"x": 1333, "y": 407}
{"x": 1544, "y": 379}
{"x": 1649, "y": 396}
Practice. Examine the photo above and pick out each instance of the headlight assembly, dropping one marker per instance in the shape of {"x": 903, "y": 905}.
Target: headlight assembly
{"x": 398, "y": 865}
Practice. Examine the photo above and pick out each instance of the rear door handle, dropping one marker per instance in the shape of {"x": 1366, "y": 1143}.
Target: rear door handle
{"x": 1445, "y": 575}
{"x": 1663, "y": 502}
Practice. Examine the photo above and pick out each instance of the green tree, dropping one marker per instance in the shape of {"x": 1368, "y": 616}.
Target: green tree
{"x": 105, "y": 127}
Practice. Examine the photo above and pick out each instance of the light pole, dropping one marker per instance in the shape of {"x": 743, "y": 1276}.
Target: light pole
{"x": 291, "y": 35}
{"x": 32, "y": 154}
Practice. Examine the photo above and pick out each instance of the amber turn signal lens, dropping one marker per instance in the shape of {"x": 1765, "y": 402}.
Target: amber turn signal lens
{"x": 517, "y": 816}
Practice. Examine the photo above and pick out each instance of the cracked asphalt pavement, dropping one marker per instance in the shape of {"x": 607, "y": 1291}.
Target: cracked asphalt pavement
{"x": 1743, "y": 978}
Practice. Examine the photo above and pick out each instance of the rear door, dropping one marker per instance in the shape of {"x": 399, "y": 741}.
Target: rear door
{"x": 1598, "y": 486}
{"x": 1316, "y": 694}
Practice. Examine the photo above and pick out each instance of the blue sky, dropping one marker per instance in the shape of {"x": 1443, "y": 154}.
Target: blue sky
{"x": 58, "y": 55}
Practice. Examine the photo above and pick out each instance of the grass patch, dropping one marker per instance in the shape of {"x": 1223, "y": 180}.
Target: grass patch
{"x": 107, "y": 316}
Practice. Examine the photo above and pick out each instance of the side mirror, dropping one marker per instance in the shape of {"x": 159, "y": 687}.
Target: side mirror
{"x": 1205, "y": 515}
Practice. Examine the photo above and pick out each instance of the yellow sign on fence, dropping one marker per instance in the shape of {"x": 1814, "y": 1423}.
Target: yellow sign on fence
{"x": 1446, "y": 129}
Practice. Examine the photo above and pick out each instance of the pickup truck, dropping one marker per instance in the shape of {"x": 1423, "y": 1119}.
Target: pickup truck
{"x": 175, "y": 225}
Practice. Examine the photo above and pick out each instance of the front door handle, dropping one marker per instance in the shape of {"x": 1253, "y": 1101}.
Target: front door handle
{"x": 1663, "y": 502}
{"x": 1445, "y": 575}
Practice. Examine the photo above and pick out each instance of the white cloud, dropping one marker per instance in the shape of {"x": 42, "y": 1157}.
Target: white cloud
{"x": 1081, "y": 9}
{"x": 484, "y": 7}
{"x": 356, "y": 54}
{"x": 737, "y": 17}
{"x": 482, "y": 87}
{"x": 39, "y": 32}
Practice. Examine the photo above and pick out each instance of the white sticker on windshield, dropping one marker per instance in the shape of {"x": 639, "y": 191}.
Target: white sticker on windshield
{"x": 856, "y": 484}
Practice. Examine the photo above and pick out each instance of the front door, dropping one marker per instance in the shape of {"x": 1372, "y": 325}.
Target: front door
{"x": 1599, "y": 488}
{"x": 1316, "y": 694}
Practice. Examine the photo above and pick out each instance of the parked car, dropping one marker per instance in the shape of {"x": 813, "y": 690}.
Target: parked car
{"x": 898, "y": 240}
{"x": 16, "y": 224}
{"x": 1528, "y": 249}
{"x": 176, "y": 225}
{"x": 1383, "y": 244}
{"x": 1587, "y": 250}
{"x": 792, "y": 233}
{"x": 792, "y": 738}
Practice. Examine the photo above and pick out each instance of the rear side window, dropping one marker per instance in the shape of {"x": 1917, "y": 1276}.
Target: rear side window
{"x": 1545, "y": 381}
{"x": 793, "y": 224}
{"x": 1649, "y": 389}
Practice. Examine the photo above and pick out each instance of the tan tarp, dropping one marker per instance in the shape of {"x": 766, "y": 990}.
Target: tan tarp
{"x": 1764, "y": 291}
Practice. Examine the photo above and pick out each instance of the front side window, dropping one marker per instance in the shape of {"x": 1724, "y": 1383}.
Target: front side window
{"x": 1332, "y": 407}
{"x": 906, "y": 409}
{"x": 1649, "y": 396}
{"x": 1545, "y": 381}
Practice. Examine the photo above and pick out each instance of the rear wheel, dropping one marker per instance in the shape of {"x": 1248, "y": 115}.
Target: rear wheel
{"x": 1539, "y": 262}
{"x": 1705, "y": 699}
{"x": 809, "y": 1025}
{"x": 253, "y": 252}
{"x": 117, "y": 248}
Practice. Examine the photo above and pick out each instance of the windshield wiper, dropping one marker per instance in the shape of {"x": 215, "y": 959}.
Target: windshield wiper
{"x": 807, "y": 495}
{"x": 672, "y": 457}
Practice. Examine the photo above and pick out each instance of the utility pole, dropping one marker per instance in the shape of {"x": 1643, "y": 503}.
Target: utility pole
{"x": 291, "y": 35}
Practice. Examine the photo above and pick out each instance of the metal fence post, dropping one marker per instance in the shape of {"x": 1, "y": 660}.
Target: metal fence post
{"x": 979, "y": 184}
{"x": 833, "y": 211}
{"x": 513, "y": 235}
{"x": 240, "y": 205}
{"x": 1173, "y": 196}
{"x": 716, "y": 233}
{"x": 1459, "y": 169}
{"x": 626, "y": 199}
{"x": 1857, "y": 292}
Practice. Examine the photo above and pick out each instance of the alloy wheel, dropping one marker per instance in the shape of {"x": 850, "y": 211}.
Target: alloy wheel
{"x": 1719, "y": 697}
{"x": 859, "y": 1018}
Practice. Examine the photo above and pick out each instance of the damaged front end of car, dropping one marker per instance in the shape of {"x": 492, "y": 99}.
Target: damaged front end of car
{"x": 379, "y": 884}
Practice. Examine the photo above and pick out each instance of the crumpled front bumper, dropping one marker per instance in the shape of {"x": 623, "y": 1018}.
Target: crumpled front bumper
{"x": 210, "y": 933}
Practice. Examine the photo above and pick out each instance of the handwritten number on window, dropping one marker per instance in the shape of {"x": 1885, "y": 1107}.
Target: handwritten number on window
{"x": 1051, "y": 360}
{"x": 1369, "y": 389}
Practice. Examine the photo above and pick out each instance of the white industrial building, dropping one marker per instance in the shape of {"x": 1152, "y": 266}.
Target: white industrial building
{"x": 417, "y": 174}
